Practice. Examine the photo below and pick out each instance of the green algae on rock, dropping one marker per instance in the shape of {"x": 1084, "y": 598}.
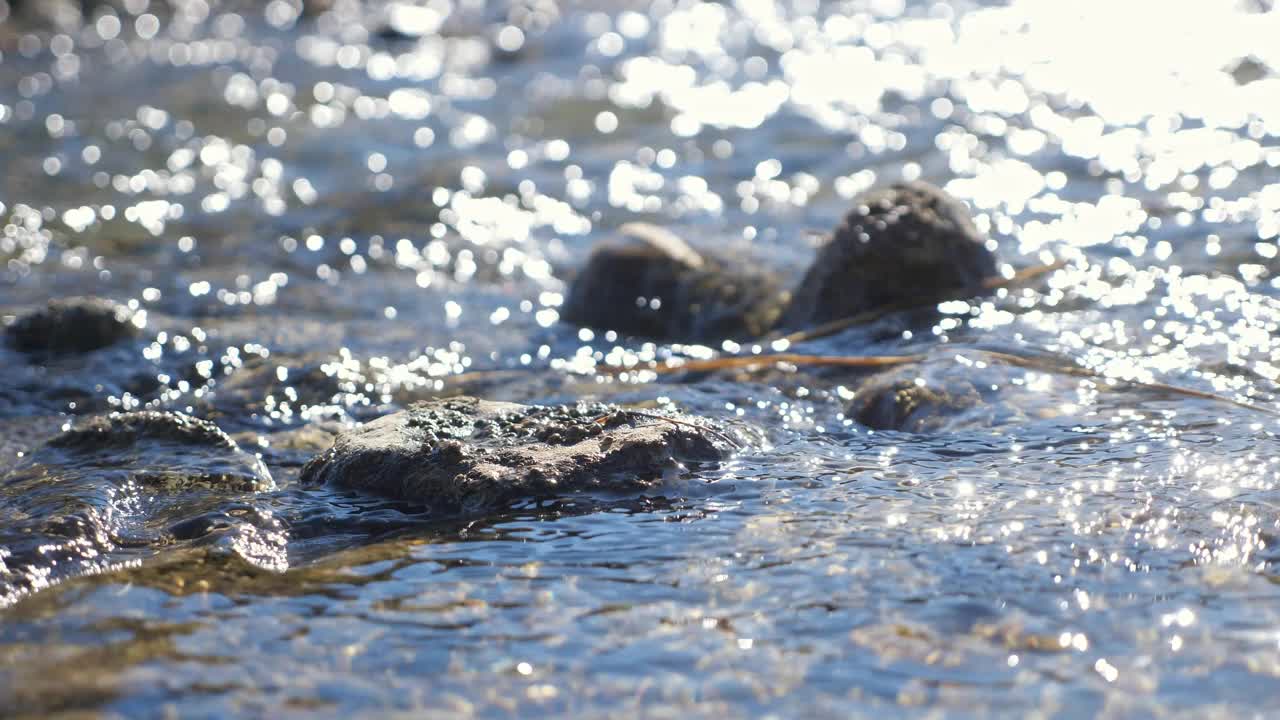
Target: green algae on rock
{"x": 466, "y": 454}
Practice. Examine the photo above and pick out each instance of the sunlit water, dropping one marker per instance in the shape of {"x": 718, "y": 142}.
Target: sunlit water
{"x": 327, "y": 215}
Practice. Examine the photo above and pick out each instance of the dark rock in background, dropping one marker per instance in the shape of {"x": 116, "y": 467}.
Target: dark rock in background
{"x": 904, "y": 245}
{"x": 72, "y": 325}
{"x": 650, "y": 283}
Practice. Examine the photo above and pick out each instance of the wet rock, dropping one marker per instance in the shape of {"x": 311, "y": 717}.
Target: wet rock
{"x": 109, "y": 489}
{"x": 466, "y": 454}
{"x": 649, "y": 282}
{"x": 72, "y": 325}
{"x": 904, "y": 245}
{"x": 174, "y": 449}
{"x": 295, "y": 446}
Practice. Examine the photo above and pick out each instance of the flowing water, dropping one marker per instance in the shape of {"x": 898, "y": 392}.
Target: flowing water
{"x": 329, "y": 212}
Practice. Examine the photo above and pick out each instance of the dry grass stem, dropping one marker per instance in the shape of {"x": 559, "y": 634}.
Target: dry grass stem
{"x": 1019, "y": 278}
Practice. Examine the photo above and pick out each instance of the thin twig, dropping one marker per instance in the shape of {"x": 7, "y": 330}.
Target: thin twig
{"x": 992, "y": 283}
{"x": 734, "y": 443}
{"x": 1043, "y": 364}
{"x": 750, "y": 362}
{"x": 760, "y": 362}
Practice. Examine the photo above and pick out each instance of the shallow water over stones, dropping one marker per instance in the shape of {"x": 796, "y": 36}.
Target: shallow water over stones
{"x": 127, "y": 485}
{"x": 331, "y": 211}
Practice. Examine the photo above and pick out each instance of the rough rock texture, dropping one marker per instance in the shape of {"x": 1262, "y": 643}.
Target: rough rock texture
{"x": 906, "y": 244}
{"x": 72, "y": 325}
{"x": 466, "y": 454}
{"x": 649, "y": 282}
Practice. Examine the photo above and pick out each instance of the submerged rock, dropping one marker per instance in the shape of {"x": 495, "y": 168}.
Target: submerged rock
{"x": 176, "y": 449}
{"x": 264, "y": 393}
{"x": 262, "y": 387}
{"x": 72, "y": 325}
{"x": 466, "y": 454}
{"x": 896, "y": 402}
{"x": 946, "y": 396}
{"x": 111, "y": 488}
{"x": 908, "y": 244}
{"x": 651, "y": 283}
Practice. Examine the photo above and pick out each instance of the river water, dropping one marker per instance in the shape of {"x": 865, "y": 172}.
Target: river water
{"x": 328, "y": 214}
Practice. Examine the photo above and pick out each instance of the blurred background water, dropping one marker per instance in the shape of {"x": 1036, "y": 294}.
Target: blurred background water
{"x": 329, "y": 210}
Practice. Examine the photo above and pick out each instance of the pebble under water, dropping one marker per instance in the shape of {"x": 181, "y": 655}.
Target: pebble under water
{"x": 314, "y": 214}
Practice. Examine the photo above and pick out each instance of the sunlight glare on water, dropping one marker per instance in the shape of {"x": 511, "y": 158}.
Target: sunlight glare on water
{"x": 326, "y": 211}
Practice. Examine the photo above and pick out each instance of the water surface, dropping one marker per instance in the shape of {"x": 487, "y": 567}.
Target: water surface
{"x": 328, "y": 214}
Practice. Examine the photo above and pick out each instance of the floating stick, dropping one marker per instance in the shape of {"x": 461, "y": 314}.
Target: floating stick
{"x": 759, "y": 362}
{"x": 622, "y": 411}
{"x": 752, "y": 362}
{"x": 827, "y": 329}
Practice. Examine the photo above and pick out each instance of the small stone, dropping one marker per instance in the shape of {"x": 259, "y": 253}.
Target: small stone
{"x": 465, "y": 454}
{"x": 309, "y": 381}
{"x": 908, "y": 244}
{"x": 946, "y": 396}
{"x": 72, "y": 325}
{"x": 649, "y": 282}
{"x": 893, "y": 401}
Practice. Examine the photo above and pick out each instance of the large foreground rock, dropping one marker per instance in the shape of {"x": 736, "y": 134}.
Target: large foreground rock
{"x": 905, "y": 245}
{"x": 651, "y": 283}
{"x": 466, "y": 454}
{"x": 72, "y": 325}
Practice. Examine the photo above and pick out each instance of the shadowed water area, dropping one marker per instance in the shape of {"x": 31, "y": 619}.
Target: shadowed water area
{"x": 309, "y": 216}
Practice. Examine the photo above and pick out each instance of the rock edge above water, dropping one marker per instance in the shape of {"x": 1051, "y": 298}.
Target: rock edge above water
{"x": 466, "y": 454}
{"x": 907, "y": 244}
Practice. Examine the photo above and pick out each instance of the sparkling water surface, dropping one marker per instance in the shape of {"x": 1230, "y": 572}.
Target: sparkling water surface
{"x": 330, "y": 211}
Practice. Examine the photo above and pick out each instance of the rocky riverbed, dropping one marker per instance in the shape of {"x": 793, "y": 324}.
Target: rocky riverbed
{"x": 528, "y": 359}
